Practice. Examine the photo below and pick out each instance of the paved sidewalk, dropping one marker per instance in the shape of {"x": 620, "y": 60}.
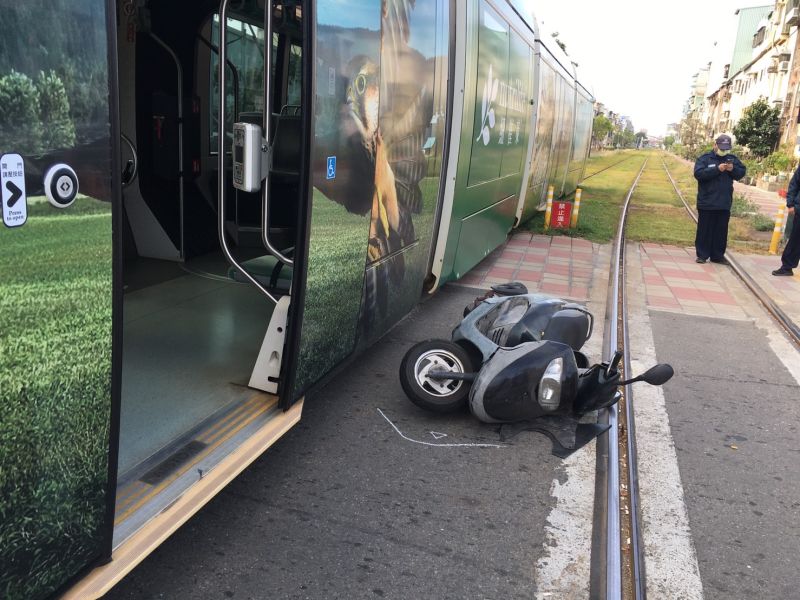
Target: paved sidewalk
{"x": 767, "y": 202}
{"x": 784, "y": 291}
{"x": 675, "y": 282}
{"x": 560, "y": 266}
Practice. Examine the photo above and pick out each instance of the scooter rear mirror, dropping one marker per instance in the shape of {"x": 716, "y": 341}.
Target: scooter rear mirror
{"x": 657, "y": 375}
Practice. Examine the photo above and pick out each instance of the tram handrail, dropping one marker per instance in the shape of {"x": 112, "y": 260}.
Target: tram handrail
{"x": 267, "y": 127}
{"x": 223, "y": 57}
{"x": 234, "y": 72}
{"x": 181, "y": 180}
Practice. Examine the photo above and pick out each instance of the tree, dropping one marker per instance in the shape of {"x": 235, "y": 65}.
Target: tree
{"x": 758, "y": 128}
{"x": 59, "y": 130}
{"x": 693, "y": 137}
{"x": 20, "y": 127}
{"x": 601, "y": 127}
{"x": 669, "y": 141}
{"x": 641, "y": 139}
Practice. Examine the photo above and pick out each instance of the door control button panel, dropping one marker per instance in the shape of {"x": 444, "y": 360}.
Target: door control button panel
{"x": 61, "y": 185}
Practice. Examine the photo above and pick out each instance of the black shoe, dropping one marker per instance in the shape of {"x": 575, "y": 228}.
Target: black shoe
{"x": 783, "y": 272}
{"x": 702, "y": 261}
{"x": 720, "y": 261}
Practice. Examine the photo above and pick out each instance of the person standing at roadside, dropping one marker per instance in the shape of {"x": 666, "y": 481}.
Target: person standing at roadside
{"x": 791, "y": 253}
{"x": 715, "y": 172}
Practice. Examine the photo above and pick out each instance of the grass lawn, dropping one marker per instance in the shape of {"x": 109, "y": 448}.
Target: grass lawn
{"x": 656, "y": 213}
{"x": 55, "y": 393}
{"x": 602, "y": 197}
{"x": 743, "y": 231}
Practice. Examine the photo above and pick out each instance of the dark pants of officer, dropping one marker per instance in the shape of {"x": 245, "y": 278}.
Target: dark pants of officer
{"x": 711, "y": 240}
{"x": 791, "y": 253}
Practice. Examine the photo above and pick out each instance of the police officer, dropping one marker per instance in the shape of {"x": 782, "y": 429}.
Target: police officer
{"x": 791, "y": 254}
{"x": 715, "y": 172}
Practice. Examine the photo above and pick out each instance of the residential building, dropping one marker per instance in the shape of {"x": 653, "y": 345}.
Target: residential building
{"x": 753, "y": 64}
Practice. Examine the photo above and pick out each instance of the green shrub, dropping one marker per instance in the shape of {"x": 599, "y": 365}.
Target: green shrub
{"x": 741, "y": 206}
{"x": 777, "y": 162}
{"x": 59, "y": 130}
{"x": 20, "y": 126}
{"x": 762, "y": 222}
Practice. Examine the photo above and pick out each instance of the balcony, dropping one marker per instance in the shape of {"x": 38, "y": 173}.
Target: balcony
{"x": 793, "y": 17}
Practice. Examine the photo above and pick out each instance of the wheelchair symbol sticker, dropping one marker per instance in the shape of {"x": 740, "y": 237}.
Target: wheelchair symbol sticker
{"x": 331, "y": 168}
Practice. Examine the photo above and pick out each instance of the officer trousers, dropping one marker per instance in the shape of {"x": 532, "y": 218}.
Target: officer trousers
{"x": 791, "y": 253}
{"x": 711, "y": 240}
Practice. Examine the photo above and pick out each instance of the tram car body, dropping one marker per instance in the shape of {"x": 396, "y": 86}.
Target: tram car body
{"x": 151, "y": 346}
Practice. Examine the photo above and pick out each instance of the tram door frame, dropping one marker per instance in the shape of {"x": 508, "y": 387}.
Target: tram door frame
{"x": 299, "y": 259}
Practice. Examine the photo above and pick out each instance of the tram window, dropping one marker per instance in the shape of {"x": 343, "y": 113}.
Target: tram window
{"x": 294, "y": 95}
{"x": 246, "y": 53}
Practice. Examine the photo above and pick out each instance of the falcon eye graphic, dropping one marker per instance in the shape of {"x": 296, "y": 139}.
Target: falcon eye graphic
{"x": 361, "y": 84}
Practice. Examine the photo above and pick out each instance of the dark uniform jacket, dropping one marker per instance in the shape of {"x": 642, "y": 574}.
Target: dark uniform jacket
{"x": 793, "y": 193}
{"x": 715, "y": 188}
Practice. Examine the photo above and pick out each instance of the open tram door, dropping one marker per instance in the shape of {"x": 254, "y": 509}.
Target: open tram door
{"x": 159, "y": 325}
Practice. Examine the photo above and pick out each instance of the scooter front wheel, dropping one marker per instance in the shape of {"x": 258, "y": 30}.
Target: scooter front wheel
{"x": 421, "y": 375}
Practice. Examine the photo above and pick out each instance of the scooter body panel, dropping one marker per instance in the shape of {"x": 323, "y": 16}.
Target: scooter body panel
{"x": 506, "y": 389}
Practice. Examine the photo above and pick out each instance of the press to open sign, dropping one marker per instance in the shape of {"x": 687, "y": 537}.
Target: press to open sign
{"x": 12, "y": 190}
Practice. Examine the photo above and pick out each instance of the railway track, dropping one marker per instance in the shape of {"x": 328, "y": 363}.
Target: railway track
{"x": 611, "y": 166}
{"x": 618, "y": 569}
{"x": 618, "y": 566}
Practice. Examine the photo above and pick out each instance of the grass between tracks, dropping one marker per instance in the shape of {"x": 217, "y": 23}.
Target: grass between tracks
{"x": 603, "y": 195}
{"x": 657, "y": 214}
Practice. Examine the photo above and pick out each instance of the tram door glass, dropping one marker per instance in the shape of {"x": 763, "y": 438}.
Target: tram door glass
{"x": 56, "y": 293}
{"x": 413, "y": 114}
{"x": 379, "y": 130}
{"x": 348, "y": 57}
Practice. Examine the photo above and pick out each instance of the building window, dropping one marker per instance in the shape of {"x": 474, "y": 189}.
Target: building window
{"x": 758, "y": 38}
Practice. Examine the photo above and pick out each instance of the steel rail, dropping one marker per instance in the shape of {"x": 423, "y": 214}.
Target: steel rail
{"x": 789, "y": 326}
{"x": 613, "y": 547}
{"x": 604, "y": 169}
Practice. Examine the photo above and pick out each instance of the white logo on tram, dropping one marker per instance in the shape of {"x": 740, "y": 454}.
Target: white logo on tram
{"x": 505, "y": 96}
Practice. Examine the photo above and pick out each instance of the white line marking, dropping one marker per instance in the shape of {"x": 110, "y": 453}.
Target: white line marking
{"x": 437, "y": 435}
{"x": 670, "y": 555}
{"x": 563, "y": 571}
{"x": 405, "y": 437}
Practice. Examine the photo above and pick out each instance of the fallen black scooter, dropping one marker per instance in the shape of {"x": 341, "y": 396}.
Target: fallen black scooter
{"x": 516, "y": 357}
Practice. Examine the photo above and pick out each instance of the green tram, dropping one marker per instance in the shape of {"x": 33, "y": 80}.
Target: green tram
{"x": 211, "y": 207}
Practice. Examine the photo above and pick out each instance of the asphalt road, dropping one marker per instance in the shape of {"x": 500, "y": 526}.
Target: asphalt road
{"x": 344, "y": 507}
{"x": 733, "y": 408}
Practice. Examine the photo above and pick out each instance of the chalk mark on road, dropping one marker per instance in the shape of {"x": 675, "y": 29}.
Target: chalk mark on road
{"x": 462, "y": 445}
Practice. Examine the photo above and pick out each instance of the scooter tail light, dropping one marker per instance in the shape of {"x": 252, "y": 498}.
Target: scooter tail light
{"x": 550, "y": 385}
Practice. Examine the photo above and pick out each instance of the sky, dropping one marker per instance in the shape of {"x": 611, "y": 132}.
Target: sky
{"x": 638, "y": 56}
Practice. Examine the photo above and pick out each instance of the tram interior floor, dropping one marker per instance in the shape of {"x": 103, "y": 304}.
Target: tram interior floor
{"x": 189, "y": 346}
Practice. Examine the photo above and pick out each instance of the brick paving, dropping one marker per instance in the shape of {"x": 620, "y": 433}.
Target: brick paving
{"x": 675, "y": 282}
{"x": 784, "y": 291}
{"x": 672, "y": 280}
{"x": 559, "y": 266}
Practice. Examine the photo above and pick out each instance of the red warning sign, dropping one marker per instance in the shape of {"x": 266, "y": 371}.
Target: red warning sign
{"x": 562, "y": 212}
